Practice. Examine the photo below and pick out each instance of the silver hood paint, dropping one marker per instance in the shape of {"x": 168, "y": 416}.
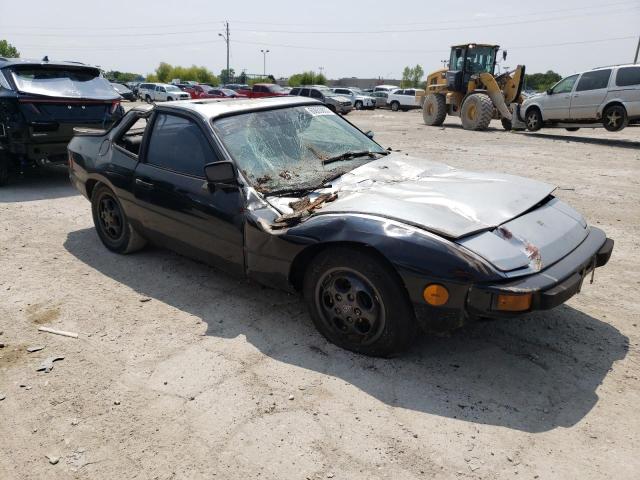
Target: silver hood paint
{"x": 434, "y": 196}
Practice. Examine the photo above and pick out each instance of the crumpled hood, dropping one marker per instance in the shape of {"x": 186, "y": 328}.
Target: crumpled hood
{"x": 433, "y": 196}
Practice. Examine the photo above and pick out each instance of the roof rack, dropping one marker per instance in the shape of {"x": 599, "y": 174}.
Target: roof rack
{"x": 611, "y": 66}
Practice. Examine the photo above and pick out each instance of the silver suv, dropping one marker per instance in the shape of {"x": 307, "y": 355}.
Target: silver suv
{"x": 336, "y": 103}
{"x": 607, "y": 96}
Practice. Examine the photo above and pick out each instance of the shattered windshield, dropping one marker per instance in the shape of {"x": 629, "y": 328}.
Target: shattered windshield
{"x": 63, "y": 82}
{"x": 294, "y": 148}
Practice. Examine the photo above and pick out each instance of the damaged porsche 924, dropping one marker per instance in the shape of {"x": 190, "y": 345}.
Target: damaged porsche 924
{"x": 287, "y": 193}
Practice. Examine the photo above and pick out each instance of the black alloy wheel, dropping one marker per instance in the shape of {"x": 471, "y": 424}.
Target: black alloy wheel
{"x": 358, "y": 302}
{"x": 112, "y": 224}
{"x": 111, "y": 218}
{"x": 350, "y": 306}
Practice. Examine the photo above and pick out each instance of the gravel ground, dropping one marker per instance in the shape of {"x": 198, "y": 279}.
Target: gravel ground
{"x": 181, "y": 372}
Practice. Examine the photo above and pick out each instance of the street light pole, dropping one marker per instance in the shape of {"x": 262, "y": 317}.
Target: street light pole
{"x": 226, "y": 39}
{"x": 264, "y": 62}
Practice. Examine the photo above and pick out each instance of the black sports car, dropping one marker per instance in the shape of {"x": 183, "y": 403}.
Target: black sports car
{"x": 288, "y": 193}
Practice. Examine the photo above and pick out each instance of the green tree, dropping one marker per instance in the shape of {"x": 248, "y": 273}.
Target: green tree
{"x": 307, "y": 78}
{"x": 123, "y": 77}
{"x": 407, "y": 73}
{"x": 541, "y": 81}
{"x": 412, "y": 76}
{"x": 227, "y": 77}
{"x": 416, "y": 76}
{"x": 163, "y": 72}
{"x": 166, "y": 72}
{"x": 8, "y": 50}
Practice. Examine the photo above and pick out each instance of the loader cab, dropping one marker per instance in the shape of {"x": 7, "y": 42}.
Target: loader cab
{"x": 468, "y": 60}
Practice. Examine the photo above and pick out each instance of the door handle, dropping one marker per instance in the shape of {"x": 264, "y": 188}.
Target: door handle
{"x": 144, "y": 184}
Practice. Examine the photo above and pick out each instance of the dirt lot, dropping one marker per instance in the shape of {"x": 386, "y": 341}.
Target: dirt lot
{"x": 182, "y": 372}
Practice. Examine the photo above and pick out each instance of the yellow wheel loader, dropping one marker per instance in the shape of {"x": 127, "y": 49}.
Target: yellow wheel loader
{"x": 471, "y": 90}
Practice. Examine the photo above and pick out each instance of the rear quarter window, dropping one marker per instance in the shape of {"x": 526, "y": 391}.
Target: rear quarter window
{"x": 628, "y": 76}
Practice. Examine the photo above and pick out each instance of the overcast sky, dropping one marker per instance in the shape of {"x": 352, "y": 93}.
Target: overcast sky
{"x": 354, "y": 38}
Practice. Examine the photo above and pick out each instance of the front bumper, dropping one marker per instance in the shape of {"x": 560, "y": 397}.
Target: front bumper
{"x": 549, "y": 288}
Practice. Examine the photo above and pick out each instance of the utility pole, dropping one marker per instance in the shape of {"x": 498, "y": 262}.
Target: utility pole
{"x": 226, "y": 39}
{"x": 635, "y": 60}
{"x": 264, "y": 62}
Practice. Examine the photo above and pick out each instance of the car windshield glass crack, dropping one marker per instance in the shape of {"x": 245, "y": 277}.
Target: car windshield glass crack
{"x": 297, "y": 147}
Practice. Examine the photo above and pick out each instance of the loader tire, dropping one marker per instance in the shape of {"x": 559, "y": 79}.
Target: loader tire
{"x": 477, "y": 111}
{"x": 434, "y": 110}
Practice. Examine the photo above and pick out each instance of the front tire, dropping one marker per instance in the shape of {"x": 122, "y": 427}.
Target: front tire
{"x": 358, "y": 105}
{"x": 147, "y": 99}
{"x": 477, "y": 111}
{"x": 533, "y": 120}
{"x": 614, "y": 118}
{"x": 572, "y": 129}
{"x": 395, "y": 106}
{"x": 112, "y": 224}
{"x": 434, "y": 110}
{"x": 358, "y": 302}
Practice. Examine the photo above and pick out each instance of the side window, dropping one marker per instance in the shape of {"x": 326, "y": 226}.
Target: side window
{"x": 565, "y": 85}
{"x": 304, "y": 92}
{"x": 178, "y": 144}
{"x": 315, "y": 94}
{"x": 628, "y": 76}
{"x": 410, "y": 92}
{"x": 594, "y": 80}
{"x": 131, "y": 137}
{"x": 295, "y": 91}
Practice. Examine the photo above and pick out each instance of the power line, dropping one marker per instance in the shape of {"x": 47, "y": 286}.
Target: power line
{"x": 248, "y": 22}
{"x": 333, "y": 32}
{"x": 327, "y": 49}
{"x": 438, "y": 29}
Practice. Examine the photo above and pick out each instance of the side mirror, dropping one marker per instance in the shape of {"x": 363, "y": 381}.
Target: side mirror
{"x": 550, "y": 91}
{"x": 504, "y": 55}
{"x": 221, "y": 173}
{"x": 369, "y": 134}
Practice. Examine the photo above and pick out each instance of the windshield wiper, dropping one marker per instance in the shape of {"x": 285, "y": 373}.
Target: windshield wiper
{"x": 304, "y": 190}
{"x": 350, "y": 155}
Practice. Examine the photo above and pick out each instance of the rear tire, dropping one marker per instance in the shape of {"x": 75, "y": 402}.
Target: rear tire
{"x": 395, "y": 106}
{"x": 614, "y": 118}
{"x": 147, "y": 99}
{"x": 112, "y": 224}
{"x": 533, "y": 120}
{"x": 477, "y": 111}
{"x": 358, "y": 302}
{"x": 434, "y": 110}
{"x": 572, "y": 129}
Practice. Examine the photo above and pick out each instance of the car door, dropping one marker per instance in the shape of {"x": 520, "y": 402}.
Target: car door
{"x": 409, "y": 98}
{"x": 589, "y": 94}
{"x": 557, "y": 103}
{"x": 181, "y": 210}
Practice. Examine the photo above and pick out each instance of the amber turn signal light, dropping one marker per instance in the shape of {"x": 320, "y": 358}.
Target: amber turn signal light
{"x": 513, "y": 303}
{"x": 435, "y": 295}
